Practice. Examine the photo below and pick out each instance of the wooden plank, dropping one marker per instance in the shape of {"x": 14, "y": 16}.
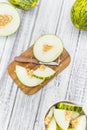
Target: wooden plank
{"x": 64, "y": 61}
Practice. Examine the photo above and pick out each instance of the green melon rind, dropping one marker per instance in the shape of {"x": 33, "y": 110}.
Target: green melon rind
{"x": 69, "y": 107}
{"x": 36, "y": 43}
{"x": 24, "y": 4}
{"x": 4, "y": 3}
{"x": 79, "y": 14}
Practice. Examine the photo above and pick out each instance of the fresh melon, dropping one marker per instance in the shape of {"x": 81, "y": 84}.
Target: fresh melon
{"x": 25, "y": 78}
{"x": 52, "y": 125}
{"x": 79, "y": 14}
{"x": 79, "y": 123}
{"x": 24, "y": 4}
{"x": 60, "y": 117}
{"x": 44, "y": 72}
{"x": 9, "y": 19}
{"x": 47, "y": 48}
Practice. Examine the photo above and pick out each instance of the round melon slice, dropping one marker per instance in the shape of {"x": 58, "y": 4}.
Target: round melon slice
{"x": 47, "y": 48}
{"x": 44, "y": 72}
{"x": 9, "y": 19}
{"x": 25, "y": 79}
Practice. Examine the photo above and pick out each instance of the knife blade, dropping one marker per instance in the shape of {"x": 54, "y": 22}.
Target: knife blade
{"x": 34, "y": 61}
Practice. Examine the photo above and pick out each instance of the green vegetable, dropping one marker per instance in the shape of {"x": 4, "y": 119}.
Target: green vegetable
{"x": 24, "y": 4}
{"x": 79, "y": 14}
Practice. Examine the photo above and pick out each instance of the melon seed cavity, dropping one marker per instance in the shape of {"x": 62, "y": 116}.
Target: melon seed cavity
{"x": 47, "y": 47}
{"x": 4, "y": 20}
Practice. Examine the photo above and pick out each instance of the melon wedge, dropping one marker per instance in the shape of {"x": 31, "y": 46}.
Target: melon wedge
{"x": 25, "y": 79}
{"x": 52, "y": 125}
{"x": 60, "y": 117}
{"x": 44, "y": 72}
{"x": 9, "y": 19}
{"x": 80, "y": 123}
{"x": 47, "y": 48}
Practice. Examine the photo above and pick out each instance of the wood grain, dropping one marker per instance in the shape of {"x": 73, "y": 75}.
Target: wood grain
{"x": 64, "y": 61}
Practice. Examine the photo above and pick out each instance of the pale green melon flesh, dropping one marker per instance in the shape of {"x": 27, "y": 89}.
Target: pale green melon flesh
{"x": 60, "y": 119}
{"x": 24, "y": 78}
{"x": 52, "y": 125}
{"x": 12, "y": 26}
{"x": 51, "y": 54}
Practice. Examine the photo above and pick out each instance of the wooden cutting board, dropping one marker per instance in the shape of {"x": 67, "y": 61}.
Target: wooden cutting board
{"x": 64, "y": 60}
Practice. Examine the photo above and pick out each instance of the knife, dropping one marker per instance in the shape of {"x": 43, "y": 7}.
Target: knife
{"x": 34, "y": 61}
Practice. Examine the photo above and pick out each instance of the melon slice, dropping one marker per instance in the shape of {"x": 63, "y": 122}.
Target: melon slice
{"x": 9, "y": 19}
{"x": 79, "y": 123}
{"x": 44, "y": 72}
{"x": 47, "y": 48}
{"x": 52, "y": 125}
{"x": 60, "y": 117}
{"x": 25, "y": 79}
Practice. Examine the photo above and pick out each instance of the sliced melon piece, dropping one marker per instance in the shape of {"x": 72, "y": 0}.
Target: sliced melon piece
{"x": 25, "y": 79}
{"x": 49, "y": 115}
{"x": 44, "y": 72}
{"x": 60, "y": 117}
{"x": 70, "y": 107}
{"x": 47, "y": 48}
{"x": 9, "y": 19}
{"x": 79, "y": 123}
{"x": 52, "y": 125}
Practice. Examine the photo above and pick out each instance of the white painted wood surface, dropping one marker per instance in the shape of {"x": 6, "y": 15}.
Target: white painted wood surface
{"x": 26, "y": 112}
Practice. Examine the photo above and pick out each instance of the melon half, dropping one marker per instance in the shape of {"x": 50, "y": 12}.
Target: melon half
{"x": 9, "y": 19}
{"x": 47, "y": 48}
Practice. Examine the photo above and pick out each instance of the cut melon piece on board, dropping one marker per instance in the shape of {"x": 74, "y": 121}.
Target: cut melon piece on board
{"x": 79, "y": 123}
{"x": 9, "y": 19}
{"x": 47, "y": 48}
{"x": 52, "y": 125}
{"x": 60, "y": 117}
{"x": 25, "y": 78}
{"x": 44, "y": 72}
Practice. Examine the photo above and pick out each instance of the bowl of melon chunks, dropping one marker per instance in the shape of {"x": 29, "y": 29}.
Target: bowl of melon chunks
{"x": 65, "y": 116}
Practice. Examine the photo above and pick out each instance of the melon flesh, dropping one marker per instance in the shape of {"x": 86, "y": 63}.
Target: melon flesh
{"x": 25, "y": 79}
{"x": 47, "y": 48}
{"x": 52, "y": 125}
{"x": 61, "y": 119}
{"x": 6, "y": 11}
{"x": 45, "y": 73}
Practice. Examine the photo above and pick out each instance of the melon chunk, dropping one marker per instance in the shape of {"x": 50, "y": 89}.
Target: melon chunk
{"x": 44, "y": 72}
{"x": 52, "y": 125}
{"x": 47, "y": 48}
{"x": 79, "y": 123}
{"x": 9, "y": 19}
{"x": 26, "y": 79}
{"x": 60, "y": 117}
